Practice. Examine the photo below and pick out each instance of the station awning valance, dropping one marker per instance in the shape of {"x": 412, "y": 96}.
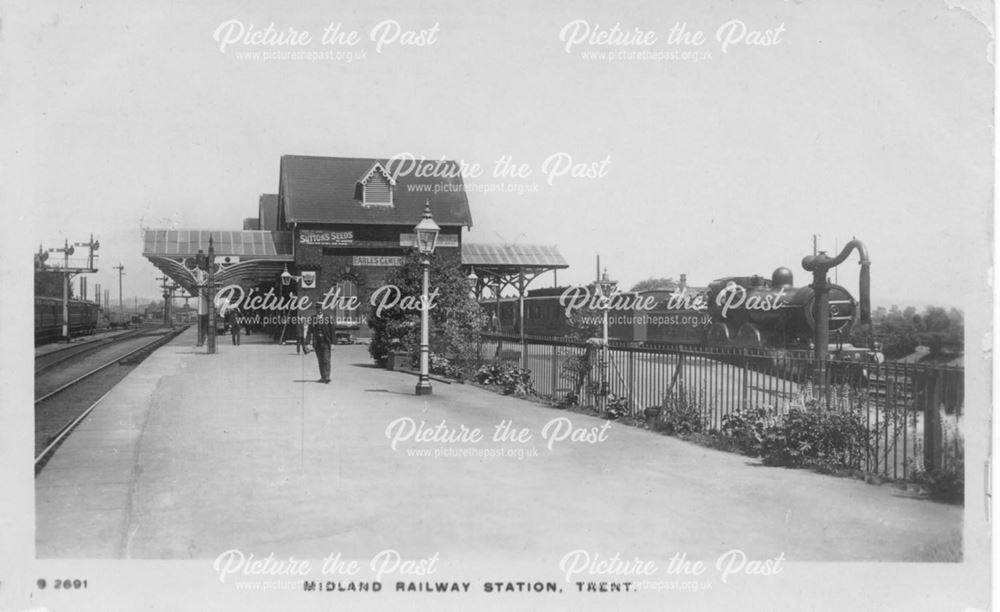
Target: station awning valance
{"x": 241, "y": 257}
{"x": 510, "y": 265}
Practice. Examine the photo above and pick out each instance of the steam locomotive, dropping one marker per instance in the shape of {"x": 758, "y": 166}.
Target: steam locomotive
{"x": 743, "y": 311}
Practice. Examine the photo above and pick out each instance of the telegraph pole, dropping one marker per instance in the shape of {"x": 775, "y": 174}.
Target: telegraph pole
{"x": 121, "y": 272}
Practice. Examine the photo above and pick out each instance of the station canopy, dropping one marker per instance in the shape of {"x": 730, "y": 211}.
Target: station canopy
{"x": 510, "y": 265}
{"x": 247, "y": 257}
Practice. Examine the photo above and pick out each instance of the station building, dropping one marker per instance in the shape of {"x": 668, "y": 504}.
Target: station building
{"x": 344, "y": 224}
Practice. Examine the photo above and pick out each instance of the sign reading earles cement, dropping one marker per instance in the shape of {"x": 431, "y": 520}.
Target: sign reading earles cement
{"x": 377, "y": 260}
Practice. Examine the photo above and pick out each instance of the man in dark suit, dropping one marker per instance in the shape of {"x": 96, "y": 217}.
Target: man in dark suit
{"x": 233, "y": 319}
{"x": 323, "y": 337}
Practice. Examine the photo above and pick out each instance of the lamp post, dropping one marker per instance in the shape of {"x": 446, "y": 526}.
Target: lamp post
{"x": 427, "y": 233}
{"x": 211, "y": 298}
{"x": 606, "y": 287}
{"x": 200, "y": 275}
{"x": 286, "y": 282}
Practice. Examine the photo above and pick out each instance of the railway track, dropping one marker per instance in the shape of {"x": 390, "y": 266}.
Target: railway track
{"x": 51, "y": 359}
{"x": 64, "y": 396}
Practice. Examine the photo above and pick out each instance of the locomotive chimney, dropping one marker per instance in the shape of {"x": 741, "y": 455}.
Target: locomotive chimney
{"x": 684, "y": 282}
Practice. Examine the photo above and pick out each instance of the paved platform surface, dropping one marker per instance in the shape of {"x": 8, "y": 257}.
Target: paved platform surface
{"x": 192, "y": 455}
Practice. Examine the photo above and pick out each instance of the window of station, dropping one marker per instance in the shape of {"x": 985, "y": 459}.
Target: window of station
{"x": 348, "y": 289}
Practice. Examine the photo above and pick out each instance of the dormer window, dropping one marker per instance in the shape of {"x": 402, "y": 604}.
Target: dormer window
{"x": 375, "y": 186}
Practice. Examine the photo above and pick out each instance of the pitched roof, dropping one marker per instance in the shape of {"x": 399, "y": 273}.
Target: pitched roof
{"x": 268, "y": 211}
{"x": 324, "y": 190}
{"x": 512, "y": 255}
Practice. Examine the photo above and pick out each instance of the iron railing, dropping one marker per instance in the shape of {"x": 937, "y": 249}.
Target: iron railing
{"x": 912, "y": 412}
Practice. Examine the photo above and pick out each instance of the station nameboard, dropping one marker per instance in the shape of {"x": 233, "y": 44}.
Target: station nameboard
{"x": 326, "y": 237}
{"x": 378, "y": 260}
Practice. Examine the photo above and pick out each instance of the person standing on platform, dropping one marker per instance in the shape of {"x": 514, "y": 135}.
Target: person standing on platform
{"x": 302, "y": 339}
{"x": 323, "y": 336}
{"x": 234, "y": 325}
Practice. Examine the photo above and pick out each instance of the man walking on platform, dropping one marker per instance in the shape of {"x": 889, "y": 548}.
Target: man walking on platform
{"x": 323, "y": 336}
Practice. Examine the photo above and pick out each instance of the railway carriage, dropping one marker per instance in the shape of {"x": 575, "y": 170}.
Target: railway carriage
{"x": 83, "y": 316}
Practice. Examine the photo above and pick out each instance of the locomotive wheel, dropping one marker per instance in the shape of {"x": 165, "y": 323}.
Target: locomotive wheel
{"x": 749, "y": 335}
{"x": 719, "y": 334}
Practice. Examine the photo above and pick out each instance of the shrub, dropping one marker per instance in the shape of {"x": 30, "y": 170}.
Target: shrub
{"x": 569, "y": 400}
{"x": 617, "y": 407}
{"x": 574, "y": 370}
{"x": 454, "y": 319}
{"x": 681, "y": 414}
{"x": 746, "y": 429}
{"x": 512, "y": 379}
{"x": 947, "y": 485}
{"x": 817, "y": 438}
{"x": 439, "y": 364}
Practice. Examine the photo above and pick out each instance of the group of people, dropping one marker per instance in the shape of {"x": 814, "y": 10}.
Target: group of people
{"x": 318, "y": 330}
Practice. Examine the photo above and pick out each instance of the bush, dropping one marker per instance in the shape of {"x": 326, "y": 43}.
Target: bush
{"x": 441, "y": 365}
{"x": 569, "y": 400}
{"x": 947, "y": 485}
{"x": 746, "y": 429}
{"x": 818, "y": 438}
{"x": 512, "y": 379}
{"x": 454, "y": 319}
{"x": 681, "y": 414}
{"x": 617, "y": 407}
{"x": 574, "y": 369}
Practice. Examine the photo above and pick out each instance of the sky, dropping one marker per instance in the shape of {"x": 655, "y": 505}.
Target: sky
{"x": 860, "y": 119}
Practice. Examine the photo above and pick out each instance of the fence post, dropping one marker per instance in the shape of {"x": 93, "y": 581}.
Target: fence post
{"x": 743, "y": 384}
{"x": 555, "y": 369}
{"x": 630, "y": 391}
{"x": 932, "y": 423}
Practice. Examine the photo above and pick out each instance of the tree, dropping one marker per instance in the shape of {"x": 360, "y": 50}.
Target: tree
{"x": 454, "y": 317}
{"x": 902, "y": 331}
{"x": 651, "y": 284}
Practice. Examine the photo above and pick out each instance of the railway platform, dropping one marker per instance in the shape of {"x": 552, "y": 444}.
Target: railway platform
{"x": 195, "y": 454}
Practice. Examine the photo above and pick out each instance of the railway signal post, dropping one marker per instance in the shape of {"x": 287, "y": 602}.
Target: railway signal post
{"x": 68, "y": 273}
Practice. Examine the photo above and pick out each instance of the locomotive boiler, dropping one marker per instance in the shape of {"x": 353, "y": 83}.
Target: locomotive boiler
{"x": 756, "y": 312}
